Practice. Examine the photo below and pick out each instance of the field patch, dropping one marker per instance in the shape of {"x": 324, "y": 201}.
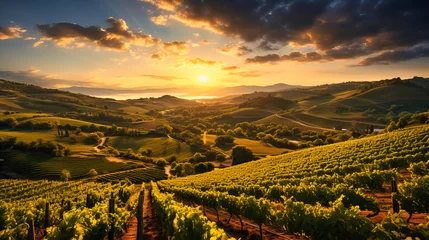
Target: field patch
{"x": 162, "y": 147}
{"x": 43, "y": 166}
{"x": 258, "y": 148}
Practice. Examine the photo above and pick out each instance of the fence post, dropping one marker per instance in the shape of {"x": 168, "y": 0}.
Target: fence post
{"x": 87, "y": 200}
{"x": 31, "y": 230}
{"x": 46, "y": 217}
{"x": 140, "y": 215}
{"x": 62, "y": 209}
{"x": 395, "y": 203}
{"x": 112, "y": 211}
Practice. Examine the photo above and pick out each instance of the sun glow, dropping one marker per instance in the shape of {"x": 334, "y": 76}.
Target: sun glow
{"x": 203, "y": 79}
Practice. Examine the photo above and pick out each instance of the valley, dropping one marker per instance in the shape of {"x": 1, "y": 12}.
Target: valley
{"x": 262, "y": 164}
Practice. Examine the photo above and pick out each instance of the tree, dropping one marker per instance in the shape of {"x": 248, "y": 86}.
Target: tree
{"x": 402, "y": 122}
{"x": 1, "y": 162}
{"x": 167, "y": 129}
{"x": 200, "y": 168}
{"x": 220, "y": 158}
{"x": 65, "y": 175}
{"x": 188, "y": 169}
{"x": 92, "y": 173}
{"x": 224, "y": 140}
{"x": 392, "y": 126}
{"x": 67, "y": 134}
{"x": 241, "y": 154}
{"x": 371, "y": 130}
{"x": 198, "y": 157}
{"x": 161, "y": 162}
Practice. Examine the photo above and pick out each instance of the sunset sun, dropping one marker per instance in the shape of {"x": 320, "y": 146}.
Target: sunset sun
{"x": 202, "y": 79}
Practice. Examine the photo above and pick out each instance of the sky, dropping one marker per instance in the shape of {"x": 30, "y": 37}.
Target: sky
{"x": 211, "y": 43}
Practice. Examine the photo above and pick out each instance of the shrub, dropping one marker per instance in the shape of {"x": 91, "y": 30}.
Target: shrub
{"x": 65, "y": 175}
{"x": 92, "y": 173}
{"x": 224, "y": 140}
{"x": 161, "y": 162}
{"x": 241, "y": 154}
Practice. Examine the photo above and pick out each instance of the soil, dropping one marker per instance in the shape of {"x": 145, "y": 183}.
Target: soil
{"x": 151, "y": 230}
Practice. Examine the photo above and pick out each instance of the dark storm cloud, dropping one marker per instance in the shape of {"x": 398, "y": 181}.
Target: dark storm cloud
{"x": 294, "y": 56}
{"x": 115, "y": 37}
{"x": 339, "y": 29}
{"x": 390, "y": 57}
{"x": 234, "y": 49}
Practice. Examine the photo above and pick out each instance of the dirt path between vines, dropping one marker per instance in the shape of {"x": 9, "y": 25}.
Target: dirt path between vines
{"x": 150, "y": 227}
{"x": 151, "y": 230}
{"x": 251, "y": 230}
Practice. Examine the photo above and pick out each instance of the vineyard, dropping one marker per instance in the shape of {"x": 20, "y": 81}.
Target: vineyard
{"x": 65, "y": 210}
{"x": 138, "y": 175}
{"x": 325, "y": 192}
{"x": 322, "y": 192}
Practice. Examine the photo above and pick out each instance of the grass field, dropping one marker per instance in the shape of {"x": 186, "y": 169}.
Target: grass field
{"x": 34, "y": 165}
{"x": 290, "y": 124}
{"x": 161, "y": 146}
{"x": 49, "y": 135}
{"x": 19, "y": 116}
{"x": 63, "y": 121}
{"x": 257, "y": 147}
{"x": 250, "y": 113}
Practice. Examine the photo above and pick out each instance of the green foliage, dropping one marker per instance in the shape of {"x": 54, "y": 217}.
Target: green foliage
{"x": 414, "y": 195}
{"x": 65, "y": 175}
{"x": 183, "y": 222}
{"x": 419, "y": 169}
{"x": 92, "y": 173}
{"x": 241, "y": 154}
{"x": 161, "y": 162}
{"x": 224, "y": 140}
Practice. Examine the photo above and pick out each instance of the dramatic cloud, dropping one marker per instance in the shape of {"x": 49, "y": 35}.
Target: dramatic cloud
{"x": 294, "y": 56}
{"x": 234, "y": 49}
{"x": 204, "y": 41}
{"x": 390, "y": 57}
{"x": 33, "y": 76}
{"x": 160, "y": 77}
{"x": 198, "y": 62}
{"x": 11, "y": 32}
{"x": 338, "y": 29}
{"x": 117, "y": 36}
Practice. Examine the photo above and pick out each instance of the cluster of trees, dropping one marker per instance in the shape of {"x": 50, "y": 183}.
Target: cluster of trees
{"x": 241, "y": 154}
{"x": 103, "y": 116}
{"x": 224, "y": 140}
{"x": 405, "y": 118}
{"x": 186, "y": 169}
{"x": 48, "y": 147}
{"x": 24, "y": 125}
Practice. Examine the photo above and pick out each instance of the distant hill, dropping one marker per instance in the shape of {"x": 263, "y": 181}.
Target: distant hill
{"x": 249, "y": 89}
{"x": 269, "y": 102}
{"x": 23, "y": 97}
{"x": 383, "y": 96}
{"x": 188, "y": 91}
{"x": 112, "y": 92}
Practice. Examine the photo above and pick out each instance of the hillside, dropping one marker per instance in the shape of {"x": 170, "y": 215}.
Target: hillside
{"x": 22, "y": 97}
{"x": 270, "y": 102}
{"x": 289, "y": 183}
